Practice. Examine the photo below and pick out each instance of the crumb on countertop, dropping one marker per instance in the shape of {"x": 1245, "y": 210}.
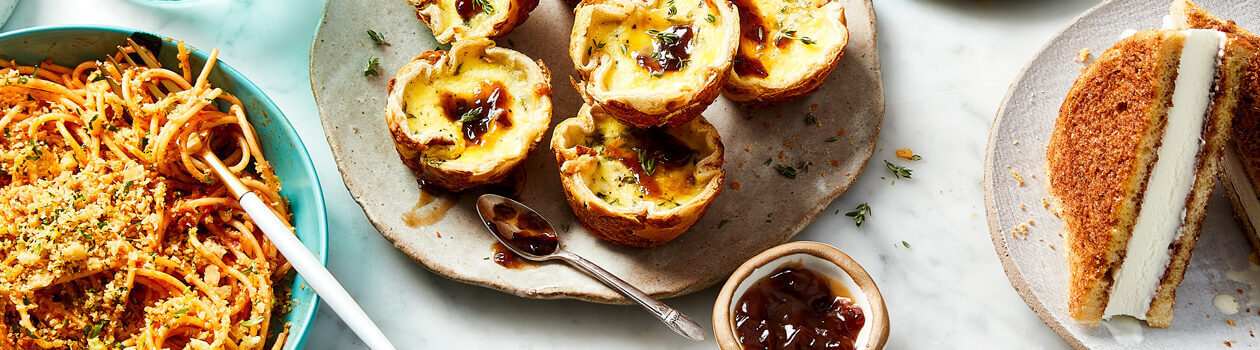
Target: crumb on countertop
{"x": 1018, "y": 179}
{"x": 1082, "y": 55}
{"x": 1020, "y": 229}
{"x": 735, "y": 185}
{"x": 905, "y": 153}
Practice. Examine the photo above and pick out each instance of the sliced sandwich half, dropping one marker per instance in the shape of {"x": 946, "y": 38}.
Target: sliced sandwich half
{"x": 1131, "y": 164}
{"x": 1240, "y": 170}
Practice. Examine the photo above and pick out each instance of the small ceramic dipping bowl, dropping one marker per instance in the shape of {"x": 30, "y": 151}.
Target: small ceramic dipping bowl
{"x": 821, "y": 258}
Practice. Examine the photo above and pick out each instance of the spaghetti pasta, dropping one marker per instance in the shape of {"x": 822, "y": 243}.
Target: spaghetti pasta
{"x": 112, "y": 234}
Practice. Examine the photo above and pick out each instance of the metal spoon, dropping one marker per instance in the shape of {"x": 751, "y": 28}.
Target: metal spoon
{"x": 529, "y": 235}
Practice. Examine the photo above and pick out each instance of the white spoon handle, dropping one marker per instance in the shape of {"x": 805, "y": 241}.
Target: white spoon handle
{"x": 314, "y": 272}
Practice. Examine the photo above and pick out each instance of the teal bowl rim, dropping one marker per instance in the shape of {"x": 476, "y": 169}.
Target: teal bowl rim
{"x": 287, "y": 128}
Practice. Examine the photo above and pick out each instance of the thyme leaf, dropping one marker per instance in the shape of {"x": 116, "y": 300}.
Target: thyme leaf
{"x": 859, "y": 214}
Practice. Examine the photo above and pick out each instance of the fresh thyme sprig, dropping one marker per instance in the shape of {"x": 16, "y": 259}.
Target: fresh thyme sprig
{"x": 663, "y": 37}
{"x": 791, "y": 35}
{"x": 371, "y": 67}
{"x": 859, "y": 214}
{"x": 786, "y": 171}
{"x": 485, "y": 6}
{"x": 897, "y": 170}
{"x": 377, "y": 37}
{"x": 648, "y": 163}
{"x": 470, "y": 115}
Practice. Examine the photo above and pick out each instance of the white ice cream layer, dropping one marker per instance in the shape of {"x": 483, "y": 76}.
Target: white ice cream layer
{"x": 1160, "y": 221}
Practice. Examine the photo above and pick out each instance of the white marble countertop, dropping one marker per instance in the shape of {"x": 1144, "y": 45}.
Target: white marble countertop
{"x": 946, "y": 64}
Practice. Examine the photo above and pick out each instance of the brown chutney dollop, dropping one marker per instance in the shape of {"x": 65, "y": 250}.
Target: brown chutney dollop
{"x": 797, "y": 308}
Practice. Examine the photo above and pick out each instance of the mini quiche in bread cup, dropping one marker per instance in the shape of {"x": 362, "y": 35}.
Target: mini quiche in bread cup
{"x": 633, "y": 186}
{"x": 653, "y": 62}
{"x": 786, "y": 49}
{"x": 467, "y": 117}
{"x": 451, "y": 20}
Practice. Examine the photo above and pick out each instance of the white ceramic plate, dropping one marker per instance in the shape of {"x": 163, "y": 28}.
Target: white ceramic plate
{"x": 1035, "y": 263}
{"x": 766, "y": 210}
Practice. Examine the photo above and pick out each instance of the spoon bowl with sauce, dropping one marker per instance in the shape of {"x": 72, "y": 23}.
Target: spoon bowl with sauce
{"x": 526, "y": 233}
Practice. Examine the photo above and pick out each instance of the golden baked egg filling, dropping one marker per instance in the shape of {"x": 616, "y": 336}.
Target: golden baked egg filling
{"x": 473, "y": 111}
{"x": 466, "y": 117}
{"x": 786, "y": 49}
{"x": 637, "y": 186}
{"x": 452, "y": 20}
{"x": 776, "y": 36}
{"x": 642, "y": 165}
{"x": 670, "y": 38}
{"x": 653, "y": 62}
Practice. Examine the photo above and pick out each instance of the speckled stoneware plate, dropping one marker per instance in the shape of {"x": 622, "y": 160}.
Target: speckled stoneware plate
{"x": 761, "y": 208}
{"x": 1035, "y": 261}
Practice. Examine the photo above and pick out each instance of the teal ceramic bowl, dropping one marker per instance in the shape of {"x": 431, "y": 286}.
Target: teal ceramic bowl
{"x": 69, "y": 45}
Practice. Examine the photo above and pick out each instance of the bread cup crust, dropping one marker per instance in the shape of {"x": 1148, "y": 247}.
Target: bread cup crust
{"x": 760, "y": 92}
{"x": 645, "y": 107}
{"x": 644, "y": 224}
{"x": 411, "y": 145}
{"x": 431, "y": 12}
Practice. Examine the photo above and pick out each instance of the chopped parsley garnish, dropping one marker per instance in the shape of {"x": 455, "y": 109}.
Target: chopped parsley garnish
{"x": 723, "y": 223}
{"x": 181, "y": 312}
{"x": 377, "y": 38}
{"x": 905, "y": 244}
{"x": 95, "y": 331}
{"x": 916, "y": 157}
{"x": 371, "y": 67}
{"x": 831, "y": 139}
{"x": 252, "y": 322}
{"x": 710, "y": 18}
{"x": 35, "y": 152}
{"x": 897, "y": 170}
{"x": 859, "y": 214}
{"x": 811, "y": 119}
